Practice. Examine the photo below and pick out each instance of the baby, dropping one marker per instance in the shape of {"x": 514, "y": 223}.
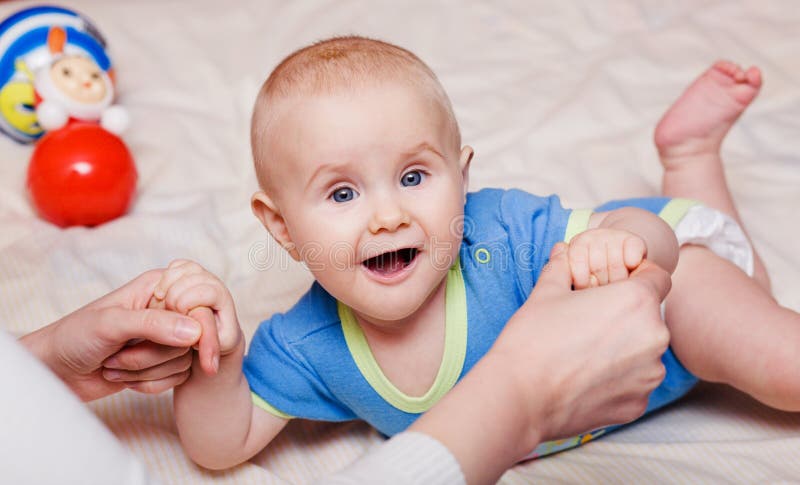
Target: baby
{"x": 363, "y": 178}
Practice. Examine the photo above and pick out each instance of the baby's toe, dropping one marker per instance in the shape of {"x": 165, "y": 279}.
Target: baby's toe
{"x": 730, "y": 69}
{"x": 753, "y": 76}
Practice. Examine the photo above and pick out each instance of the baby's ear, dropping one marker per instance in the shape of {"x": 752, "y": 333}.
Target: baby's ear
{"x": 265, "y": 209}
{"x": 463, "y": 163}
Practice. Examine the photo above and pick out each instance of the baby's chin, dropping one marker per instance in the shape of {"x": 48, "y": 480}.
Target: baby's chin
{"x": 389, "y": 315}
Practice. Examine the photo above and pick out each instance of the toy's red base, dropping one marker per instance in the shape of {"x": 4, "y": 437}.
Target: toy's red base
{"x": 81, "y": 175}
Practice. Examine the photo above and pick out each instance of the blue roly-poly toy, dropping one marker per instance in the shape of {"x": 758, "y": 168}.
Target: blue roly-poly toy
{"x": 31, "y": 42}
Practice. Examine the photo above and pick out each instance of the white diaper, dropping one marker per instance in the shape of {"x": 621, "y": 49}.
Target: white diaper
{"x": 718, "y": 232}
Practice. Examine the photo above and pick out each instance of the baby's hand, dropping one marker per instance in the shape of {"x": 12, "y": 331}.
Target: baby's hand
{"x": 186, "y": 287}
{"x": 598, "y": 257}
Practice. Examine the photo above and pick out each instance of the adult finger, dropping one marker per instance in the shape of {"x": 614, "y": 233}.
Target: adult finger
{"x": 161, "y": 371}
{"x": 556, "y": 277}
{"x": 161, "y": 385}
{"x": 116, "y": 326}
{"x": 143, "y": 355}
{"x": 208, "y": 348}
{"x": 133, "y": 295}
{"x": 654, "y": 278}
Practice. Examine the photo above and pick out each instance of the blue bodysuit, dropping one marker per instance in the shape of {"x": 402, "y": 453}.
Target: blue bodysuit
{"x": 314, "y": 362}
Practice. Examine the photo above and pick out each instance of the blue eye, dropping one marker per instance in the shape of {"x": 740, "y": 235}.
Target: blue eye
{"x": 343, "y": 194}
{"x": 412, "y": 178}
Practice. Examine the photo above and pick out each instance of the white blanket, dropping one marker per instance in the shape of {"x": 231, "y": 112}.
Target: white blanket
{"x": 554, "y": 97}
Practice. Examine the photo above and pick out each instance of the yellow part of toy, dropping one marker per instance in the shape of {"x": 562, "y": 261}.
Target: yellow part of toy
{"x": 16, "y": 106}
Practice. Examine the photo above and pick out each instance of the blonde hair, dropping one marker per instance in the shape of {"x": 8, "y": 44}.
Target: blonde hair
{"x": 335, "y": 65}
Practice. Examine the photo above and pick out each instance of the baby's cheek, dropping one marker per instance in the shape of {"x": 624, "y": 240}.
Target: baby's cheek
{"x": 312, "y": 254}
{"x": 341, "y": 256}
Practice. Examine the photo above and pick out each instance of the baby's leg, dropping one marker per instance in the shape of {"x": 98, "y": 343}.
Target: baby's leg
{"x": 689, "y": 136}
{"x": 725, "y": 328}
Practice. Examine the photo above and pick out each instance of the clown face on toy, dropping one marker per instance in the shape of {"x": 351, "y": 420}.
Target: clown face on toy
{"x": 54, "y": 68}
{"x": 74, "y": 87}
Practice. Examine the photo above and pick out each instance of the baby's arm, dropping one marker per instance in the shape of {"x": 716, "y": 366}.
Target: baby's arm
{"x": 217, "y": 422}
{"x": 616, "y": 243}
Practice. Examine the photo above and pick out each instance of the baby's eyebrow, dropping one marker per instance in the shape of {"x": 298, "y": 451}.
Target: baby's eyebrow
{"x": 340, "y": 166}
{"x": 422, "y": 147}
{"x": 322, "y": 167}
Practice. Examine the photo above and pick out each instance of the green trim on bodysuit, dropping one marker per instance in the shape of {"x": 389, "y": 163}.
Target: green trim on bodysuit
{"x": 455, "y": 350}
{"x": 261, "y": 403}
{"x": 675, "y": 210}
{"x": 577, "y": 223}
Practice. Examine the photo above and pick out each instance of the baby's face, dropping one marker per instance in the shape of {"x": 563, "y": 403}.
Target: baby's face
{"x": 372, "y": 193}
{"x": 80, "y": 79}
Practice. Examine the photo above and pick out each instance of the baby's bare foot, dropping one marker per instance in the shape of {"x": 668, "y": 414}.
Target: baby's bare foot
{"x": 695, "y": 125}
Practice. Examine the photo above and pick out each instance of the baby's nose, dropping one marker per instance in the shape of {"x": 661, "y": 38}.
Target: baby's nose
{"x": 388, "y": 217}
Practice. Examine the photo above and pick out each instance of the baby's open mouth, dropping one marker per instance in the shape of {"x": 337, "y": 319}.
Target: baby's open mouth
{"x": 392, "y": 261}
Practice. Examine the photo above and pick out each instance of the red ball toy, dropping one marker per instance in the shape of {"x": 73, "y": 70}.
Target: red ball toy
{"x": 81, "y": 175}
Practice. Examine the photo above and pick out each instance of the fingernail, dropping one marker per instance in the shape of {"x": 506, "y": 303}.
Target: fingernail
{"x": 158, "y": 290}
{"x": 558, "y": 249}
{"x": 112, "y": 375}
{"x": 112, "y": 362}
{"x": 215, "y": 363}
{"x": 187, "y": 330}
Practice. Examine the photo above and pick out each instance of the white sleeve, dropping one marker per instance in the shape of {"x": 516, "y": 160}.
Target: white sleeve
{"x": 48, "y": 435}
{"x": 407, "y": 458}
{"x": 719, "y": 232}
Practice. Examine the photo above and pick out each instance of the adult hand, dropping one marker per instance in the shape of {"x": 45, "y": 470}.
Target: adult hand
{"x": 567, "y": 362}
{"x": 81, "y": 347}
{"x": 601, "y": 349}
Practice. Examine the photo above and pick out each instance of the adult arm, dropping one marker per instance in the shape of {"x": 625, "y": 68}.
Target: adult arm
{"x": 48, "y": 435}
{"x": 567, "y": 362}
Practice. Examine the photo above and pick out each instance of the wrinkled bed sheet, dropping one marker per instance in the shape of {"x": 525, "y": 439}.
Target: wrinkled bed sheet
{"x": 554, "y": 96}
